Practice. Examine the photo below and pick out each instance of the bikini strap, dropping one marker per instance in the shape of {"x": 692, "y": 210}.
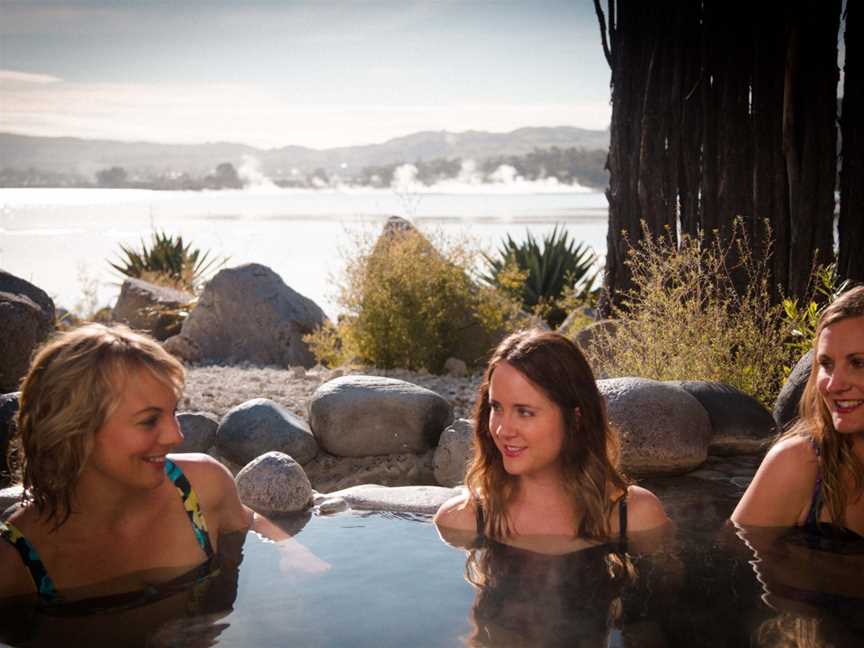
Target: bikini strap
{"x": 622, "y": 518}
{"x": 30, "y": 557}
{"x": 191, "y": 504}
{"x": 816, "y": 499}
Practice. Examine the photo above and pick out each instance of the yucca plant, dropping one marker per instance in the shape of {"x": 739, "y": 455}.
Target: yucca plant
{"x": 167, "y": 261}
{"x": 547, "y": 269}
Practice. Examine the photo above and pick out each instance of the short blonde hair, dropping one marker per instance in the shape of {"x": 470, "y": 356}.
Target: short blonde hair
{"x": 69, "y": 392}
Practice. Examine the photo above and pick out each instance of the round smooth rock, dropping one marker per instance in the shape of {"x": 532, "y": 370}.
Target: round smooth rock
{"x": 786, "y": 405}
{"x": 360, "y": 416}
{"x": 199, "y": 431}
{"x": 664, "y": 430}
{"x": 274, "y": 483}
{"x": 260, "y": 425}
{"x": 454, "y": 452}
{"x": 739, "y": 423}
{"x": 8, "y": 410}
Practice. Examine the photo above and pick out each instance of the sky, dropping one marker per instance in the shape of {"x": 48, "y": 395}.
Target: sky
{"x": 316, "y": 73}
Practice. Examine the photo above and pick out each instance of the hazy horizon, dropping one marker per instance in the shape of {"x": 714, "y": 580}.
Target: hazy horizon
{"x": 315, "y": 74}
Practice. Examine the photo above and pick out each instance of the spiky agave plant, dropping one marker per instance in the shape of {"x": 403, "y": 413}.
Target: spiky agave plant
{"x": 167, "y": 260}
{"x": 547, "y": 268}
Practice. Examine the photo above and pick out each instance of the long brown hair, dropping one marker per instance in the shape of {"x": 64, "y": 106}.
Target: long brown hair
{"x": 69, "y": 392}
{"x": 835, "y": 449}
{"x": 590, "y": 452}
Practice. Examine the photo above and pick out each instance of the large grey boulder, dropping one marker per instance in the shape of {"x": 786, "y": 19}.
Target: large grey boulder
{"x": 359, "y": 416}
{"x": 260, "y": 425}
{"x": 8, "y": 410}
{"x": 274, "y": 483}
{"x": 328, "y": 472}
{"x": 248, "y": 314}
{"x": 199, "y": 431}
{"x": 454, "y": 452}
{"x": 786, "y": 405}
{"x": 145, "y": 306}
{"x": 664, "y": 430}
{"x": 739, "y": 422}
{"x": 26, "y": 319}
{"x": 404, "y": 499}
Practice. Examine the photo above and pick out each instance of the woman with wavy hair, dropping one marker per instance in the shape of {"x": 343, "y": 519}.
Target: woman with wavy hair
{"x": 545, "y": 459}
{"x": 106, "y": 509}
{"x": 813, "y": 476}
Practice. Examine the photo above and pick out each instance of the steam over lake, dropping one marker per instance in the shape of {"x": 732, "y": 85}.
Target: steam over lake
{"x": 60, "y": 239}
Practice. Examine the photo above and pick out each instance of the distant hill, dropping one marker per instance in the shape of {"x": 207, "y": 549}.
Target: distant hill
{"x": 85, "y": 157}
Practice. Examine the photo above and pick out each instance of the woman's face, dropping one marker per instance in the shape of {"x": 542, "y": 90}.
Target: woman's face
{"x": 527, "y": 427}
{"x": 131, "y": 445}
{"x": 840, "y": 374}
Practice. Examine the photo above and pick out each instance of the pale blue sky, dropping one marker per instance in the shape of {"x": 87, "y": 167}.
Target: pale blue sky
{"x": 315, "y": 73}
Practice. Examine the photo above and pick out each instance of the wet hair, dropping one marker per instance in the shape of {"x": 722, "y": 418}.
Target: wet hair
{"x": 835, "y": 450}
{"x": 590, "y": 452}
{"x": 71, "y": 389}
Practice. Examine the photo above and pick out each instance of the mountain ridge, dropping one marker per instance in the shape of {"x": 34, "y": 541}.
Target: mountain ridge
{"x": 88, "y": 156}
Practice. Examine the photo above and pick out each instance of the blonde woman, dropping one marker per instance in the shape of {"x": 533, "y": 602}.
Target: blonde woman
{"x": 545, "y": 462}
{"x": 813, "y": 477}
{"x": 108, "y": 510}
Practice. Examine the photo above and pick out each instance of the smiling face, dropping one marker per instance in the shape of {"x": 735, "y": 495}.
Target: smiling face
{"x": 840, "y": 373}
{"x": 527, "y": 427}
{"x": 130, "y": 446}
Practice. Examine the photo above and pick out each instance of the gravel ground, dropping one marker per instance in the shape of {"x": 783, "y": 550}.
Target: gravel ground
{"x": 216, "y": 389}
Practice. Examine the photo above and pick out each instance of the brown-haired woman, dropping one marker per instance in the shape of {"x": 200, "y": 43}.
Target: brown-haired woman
{"x": 813, "y": 477}
{"x": 106, "y": 510}
{"x": 545, "y": 459}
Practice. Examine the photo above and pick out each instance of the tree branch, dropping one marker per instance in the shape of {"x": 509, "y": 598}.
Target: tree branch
{"x": 601, "y": 18}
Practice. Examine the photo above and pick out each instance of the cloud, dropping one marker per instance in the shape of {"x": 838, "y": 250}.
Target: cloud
{"x": 14, "y": 76}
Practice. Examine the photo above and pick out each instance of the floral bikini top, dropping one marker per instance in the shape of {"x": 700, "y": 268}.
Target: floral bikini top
{"x": 45, "y": 586}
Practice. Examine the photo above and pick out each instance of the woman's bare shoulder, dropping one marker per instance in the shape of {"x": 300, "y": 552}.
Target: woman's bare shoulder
{"x": 644, "y": 510}
{"x": 458, "y": 512}
{"x": 782, "y": 486}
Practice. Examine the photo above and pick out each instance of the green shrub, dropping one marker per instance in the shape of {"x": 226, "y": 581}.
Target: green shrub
{"x": 686, "y": 320}
{"x": 548, "y": 270}
{"x": 168, "y": 262}
{"x": 407, "y": 303}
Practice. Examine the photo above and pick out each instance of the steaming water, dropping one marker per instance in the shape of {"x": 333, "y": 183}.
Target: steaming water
{"x": 62, "y": 239}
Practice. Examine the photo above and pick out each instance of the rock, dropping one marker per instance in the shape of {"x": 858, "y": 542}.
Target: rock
{"x": 786, "y": 405}
{"x": 298, "y": 372}
{"x": 408, "y": 499}
{"x": 145, "y": 306}
{"x": 359, "y": 416}
{"x": 26, "y": 320}
{"x": 330, "y": 505}
{"x": 184, "y": 348}
{"x": 456, "y": 368}
{"x": 454, "y": 452}
{"x": 199, "y": 431}
{"x": 260, "y": 425}
{"x": 664, "y": 430}
{"x": 274, "y": 483}
{"x": 248, "y": 314}
{"x": 9, "y": 283}
{"x": 739, "y": 423}
{"x": 8, "y": 410}
{"x": 328, "y": 473}
{"x": 9, "y": 499}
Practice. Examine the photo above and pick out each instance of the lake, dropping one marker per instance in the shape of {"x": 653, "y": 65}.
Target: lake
{"x": 61, "y": 239}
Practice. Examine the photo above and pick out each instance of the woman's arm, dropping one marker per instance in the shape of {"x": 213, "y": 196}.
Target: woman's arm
{"x": 782, "y": 488}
